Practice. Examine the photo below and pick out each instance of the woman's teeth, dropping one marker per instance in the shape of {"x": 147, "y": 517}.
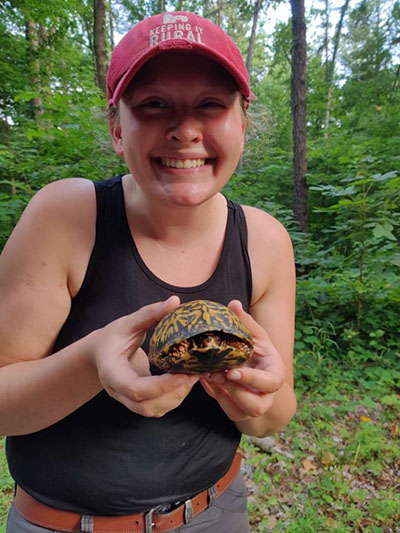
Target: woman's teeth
{"x": 182, "y": 163}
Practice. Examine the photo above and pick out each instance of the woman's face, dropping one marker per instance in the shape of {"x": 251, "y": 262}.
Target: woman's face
{"x": 180, "y": 129}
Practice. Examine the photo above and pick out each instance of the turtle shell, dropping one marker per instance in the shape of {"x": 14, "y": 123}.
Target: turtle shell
{"x": 200, "y": 336}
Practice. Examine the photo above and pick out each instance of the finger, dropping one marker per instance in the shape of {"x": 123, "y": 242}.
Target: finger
{"x": 258, "y": 380}
{"x": 151, "y": 314}
{"x": 127, "y": 382}
{"x": 226, "y": 402}
{"x": 242, "y": 400}
{"x": 207, "y": 387}
{"x": 159, "y": 405}
{"x": 140, "y": 363}
{"x": 252, "y": 404}
{"x": 252, "y": 325}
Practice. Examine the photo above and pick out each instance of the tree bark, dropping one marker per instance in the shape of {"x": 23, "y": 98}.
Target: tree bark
{"x": 326, "y": 36}
{"x": 330, "y": 67}
{"x": 31, "y": 32}
{"x": 298, "y": 90}
{"x": 219, "y": 12}
{"x": 111, "y": 22}
{"x": 250, "y": 50}
{"x": 100, "y": 43}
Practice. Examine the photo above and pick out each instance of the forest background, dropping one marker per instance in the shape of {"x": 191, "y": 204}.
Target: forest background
{"x": 336, "y": 467}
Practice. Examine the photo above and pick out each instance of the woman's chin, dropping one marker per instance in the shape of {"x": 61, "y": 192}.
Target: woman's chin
{"x": 183, "y": 195}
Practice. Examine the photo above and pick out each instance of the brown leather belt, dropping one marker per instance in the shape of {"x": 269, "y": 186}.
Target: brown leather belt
{"x": 58, "y": 520}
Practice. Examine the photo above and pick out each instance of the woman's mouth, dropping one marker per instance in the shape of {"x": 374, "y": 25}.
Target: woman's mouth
{"x": 173, "y": 162}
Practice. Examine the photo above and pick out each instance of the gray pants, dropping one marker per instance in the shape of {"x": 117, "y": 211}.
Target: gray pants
{"x": 228, "y": 514}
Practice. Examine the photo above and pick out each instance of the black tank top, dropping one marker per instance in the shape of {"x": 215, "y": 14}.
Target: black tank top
{"x": 104, "y": 459}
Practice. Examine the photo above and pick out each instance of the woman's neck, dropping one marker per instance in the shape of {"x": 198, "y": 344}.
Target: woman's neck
{"x": 174, "y": 226}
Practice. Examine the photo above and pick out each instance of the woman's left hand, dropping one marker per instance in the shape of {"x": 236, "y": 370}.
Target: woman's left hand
{"x": 249, "y": 391}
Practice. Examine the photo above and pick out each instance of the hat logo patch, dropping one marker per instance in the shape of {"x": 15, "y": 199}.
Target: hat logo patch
{"x": 175, "y": 30}
{"x": 174, "y": 18}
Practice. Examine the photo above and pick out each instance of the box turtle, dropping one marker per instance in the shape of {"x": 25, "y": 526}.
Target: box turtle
{"x": 200, "y": 336}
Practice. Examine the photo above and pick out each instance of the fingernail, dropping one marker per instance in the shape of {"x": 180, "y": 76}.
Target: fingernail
{"x": 235, "y": 375}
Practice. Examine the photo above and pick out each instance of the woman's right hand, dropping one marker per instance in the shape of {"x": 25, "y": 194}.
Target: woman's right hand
{"x": 123, "y": 367}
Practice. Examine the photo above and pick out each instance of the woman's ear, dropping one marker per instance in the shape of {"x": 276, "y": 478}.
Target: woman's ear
{"x": 244, "y": 125}
{"x": 245, "y": 120}
{"x": 114, "y": 126}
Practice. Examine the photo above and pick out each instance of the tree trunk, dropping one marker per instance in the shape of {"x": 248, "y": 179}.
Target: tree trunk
{"x": 326, "y": 36}
{"x": 327, "y": 110}
{"x": 100, "y": 46}
{"x": 298, "y": 89}
{"x": 219, "y": 12}
{"x": 330, "y": 67}
{"x": 250, "y": 50}
{"x": 111, "y": 22}
{"x": 32, "y": 37}
{"x": 396, "y": 80}
{"x": 162, "y": 6}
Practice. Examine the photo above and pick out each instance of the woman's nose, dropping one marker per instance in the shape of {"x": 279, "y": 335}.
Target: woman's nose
{"x": 186, "y": 129}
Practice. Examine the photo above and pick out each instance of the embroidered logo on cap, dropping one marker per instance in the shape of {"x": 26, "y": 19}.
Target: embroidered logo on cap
{"x": 174, "y": 18}
{"x": 175, "y": 27}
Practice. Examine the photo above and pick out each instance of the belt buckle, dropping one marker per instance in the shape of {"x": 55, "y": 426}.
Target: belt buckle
{"x": 148, "y": 517}
{"x": 148, "y": 521}
{"x": 188, "y": 511}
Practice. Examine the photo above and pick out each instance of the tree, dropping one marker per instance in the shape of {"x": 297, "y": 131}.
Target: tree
{"x": 257, "y": 7}
{"x": 298, "y": 89}
{"x": 32, "y": 37}
{"x": 330, "y": 64}
{"x": 100, "y": 43}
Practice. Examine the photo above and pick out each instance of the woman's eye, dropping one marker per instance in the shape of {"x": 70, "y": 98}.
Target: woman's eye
{"x": 154, "y": 104}
{"x": 211, "y": 104}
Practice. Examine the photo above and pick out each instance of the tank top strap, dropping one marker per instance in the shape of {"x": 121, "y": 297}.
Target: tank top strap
{"x": 238, "y": 236}
{"x": 239, "y": 220}
{"x": 111, "y": 220}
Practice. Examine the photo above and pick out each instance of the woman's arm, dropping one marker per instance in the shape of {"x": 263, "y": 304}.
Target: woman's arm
{"x": 259, "y": 398}
{"x": 41, "y": 267}
{"x": 35, "y": 273}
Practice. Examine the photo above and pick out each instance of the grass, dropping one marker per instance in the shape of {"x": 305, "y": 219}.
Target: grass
{"x": 335, "y": 468}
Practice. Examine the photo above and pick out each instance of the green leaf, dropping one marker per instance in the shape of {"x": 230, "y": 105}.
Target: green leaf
{"x": 390, "y": 400}
{"x": 395, "y": 260}
{"x": 381, "y": 231}
{"x": 383, "y": 177}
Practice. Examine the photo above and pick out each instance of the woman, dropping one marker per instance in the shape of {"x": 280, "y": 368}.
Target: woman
{"x": 98, "y": 441}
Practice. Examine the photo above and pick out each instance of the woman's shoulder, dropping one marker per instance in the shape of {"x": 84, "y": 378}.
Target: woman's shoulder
{"x": 265, "y": 227}
{"x": 61, "y": 193}
{"x": 58, "y": 224}
{"x": 42, "y": 263}
{"x": 270, "y": 250}
{"x": 64, "y": 203}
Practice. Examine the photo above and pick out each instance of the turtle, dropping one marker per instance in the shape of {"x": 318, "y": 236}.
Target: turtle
{"x": 200, "y": 336}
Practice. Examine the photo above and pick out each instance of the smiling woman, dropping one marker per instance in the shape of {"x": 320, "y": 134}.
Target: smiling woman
{"x": 182, "y": 108}
{"x": 100, "y": 439}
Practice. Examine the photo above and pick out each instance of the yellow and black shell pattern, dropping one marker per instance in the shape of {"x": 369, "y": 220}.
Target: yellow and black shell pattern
{"x": 200, "y": 336}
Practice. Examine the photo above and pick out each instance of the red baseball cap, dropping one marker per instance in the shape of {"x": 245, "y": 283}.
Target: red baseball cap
{"x": 173, "y": 31}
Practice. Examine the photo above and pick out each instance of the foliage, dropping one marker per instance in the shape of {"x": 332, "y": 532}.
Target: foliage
{"x": 346, "y": 352}
{"x": 335, "y": 467}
